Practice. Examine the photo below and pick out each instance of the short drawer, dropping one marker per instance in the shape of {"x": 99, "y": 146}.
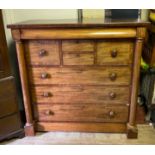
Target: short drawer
{"x": 80, "y": 94}
{"x": 78, "y": 58}
{"x": 115, "y": 52}
{"x": 77, "y": 46}
{"x": 86, "y": 75}
{"x": 42, "y": 52}
{"x": 81, "y": 113}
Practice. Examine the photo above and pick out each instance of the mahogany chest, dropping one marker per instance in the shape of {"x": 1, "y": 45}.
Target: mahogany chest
{"x": 80, "y": 76}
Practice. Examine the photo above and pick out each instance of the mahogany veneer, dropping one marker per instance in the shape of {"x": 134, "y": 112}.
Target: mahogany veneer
{"x": 80, "y": 76}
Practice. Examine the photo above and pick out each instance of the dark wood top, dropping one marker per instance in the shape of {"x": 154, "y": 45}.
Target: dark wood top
{"x": 78, "y": 24}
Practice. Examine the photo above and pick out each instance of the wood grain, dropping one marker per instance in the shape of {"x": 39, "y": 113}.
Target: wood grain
{"x": 9, "y": 124}
{"x": 81, "y": 113}
{"x": 24, "y": 82}
{"x": 78, "y": 33}
{"x": 80, "y": 94}
{"x": 82, "y": 127}
{"x": 80, "y": 75}
{"x": 90, "y": 60}
{"x": 124, "y": 49}
{"x": 34, "y": 56}
{"x": 78, "y": 59}
{"x": 135, "y": 82}
{"x": 8, "y": 98}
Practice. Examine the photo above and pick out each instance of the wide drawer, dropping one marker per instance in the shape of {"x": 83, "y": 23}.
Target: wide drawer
{"x": 80, "y": 94}
{"x": 86, "y": 75}
{"x": 116, "y": 52}
{"x": 81, "y": 113}
{"x": 42, "y": 52}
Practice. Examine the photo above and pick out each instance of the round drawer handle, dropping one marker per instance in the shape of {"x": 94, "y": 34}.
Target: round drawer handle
{"x": 111, "y": 114}
{"x": 112, "y": 95}
{"x": 114, "y": 53}
{"x": 112, "y": 76}
{"x": 49, "y": 112}
{"x": 42, "y": 53}
{"x": 47, "y": 94}
{"x": 44, "y": 75}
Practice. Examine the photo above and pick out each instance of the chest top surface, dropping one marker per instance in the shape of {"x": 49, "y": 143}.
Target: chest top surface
{"x": 75, "y": 23}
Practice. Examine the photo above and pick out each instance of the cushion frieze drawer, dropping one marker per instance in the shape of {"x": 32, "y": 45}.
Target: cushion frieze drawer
{"x": 81, "y": 113}
{"x": 42, "y": 52}
{"x": 80, "y": 94}
{"x": 86, "y": 75}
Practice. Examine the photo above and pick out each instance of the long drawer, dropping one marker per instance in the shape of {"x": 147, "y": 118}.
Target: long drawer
{"x": 80, "y": 94}
{"x": 81, "y": 113}
{"x": 81, "y": 75}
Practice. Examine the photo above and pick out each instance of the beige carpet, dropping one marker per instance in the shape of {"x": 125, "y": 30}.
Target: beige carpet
{"x": 146, "y": 136}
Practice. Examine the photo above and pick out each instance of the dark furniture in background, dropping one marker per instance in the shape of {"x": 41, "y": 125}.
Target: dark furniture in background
{"x": 10, "y": 122}
{"x": 122, "y": 13}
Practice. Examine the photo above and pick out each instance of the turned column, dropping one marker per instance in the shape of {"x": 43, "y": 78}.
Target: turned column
{"x": 29, "y": 126}
{"x": 131, "y": 126}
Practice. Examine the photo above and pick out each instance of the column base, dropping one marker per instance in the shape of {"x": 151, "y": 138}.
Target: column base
{"x": 29, "y": 130}
{"x": 132, "y": 132}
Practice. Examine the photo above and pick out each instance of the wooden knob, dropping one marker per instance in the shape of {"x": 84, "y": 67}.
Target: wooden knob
{"x": 112, "y": 76}
{"x": 42, "y": 52}
{"x": 44, "y": 75}
{"x": 48, "y": 112}
{"x": 112, "y": 95}
{"x": 111, "y": 114}
{"x": 114, "y": 53}
{"x": 47, "y": 94}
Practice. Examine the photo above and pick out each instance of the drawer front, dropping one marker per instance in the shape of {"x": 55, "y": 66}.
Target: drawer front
{"x": 78, "y": 59}
{"x": 9, "y": 124}
{"x": 77, "y": 46}
{"x": 115, "y": 52}
{"x": 80, "y": 94}
{"x": 87, "y": 75}
{"x": 81, "y": 113}
{"x": 42, "y": 52}
{"x": 8, "y": 98}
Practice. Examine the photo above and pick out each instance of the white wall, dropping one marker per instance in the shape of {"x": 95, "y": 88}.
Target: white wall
{"x": 11, "y": 16}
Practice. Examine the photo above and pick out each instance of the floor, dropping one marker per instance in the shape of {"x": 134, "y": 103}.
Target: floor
{"x": 146, "y": 136}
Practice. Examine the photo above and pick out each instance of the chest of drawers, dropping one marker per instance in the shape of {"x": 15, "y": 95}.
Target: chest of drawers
{"x": 80, "y": 76}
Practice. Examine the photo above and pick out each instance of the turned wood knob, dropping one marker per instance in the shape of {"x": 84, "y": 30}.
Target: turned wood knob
{"x": 42, "y": 52}
{"x": 44, "y": 75}
{"x": 47, "y": 94}
{"x": 112, "y": 95}
{"x": 114, "y": 53}
{"x": 111, "y": 114}
{"x": 112, "y": 76}
{"x": 48, "y": 112}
